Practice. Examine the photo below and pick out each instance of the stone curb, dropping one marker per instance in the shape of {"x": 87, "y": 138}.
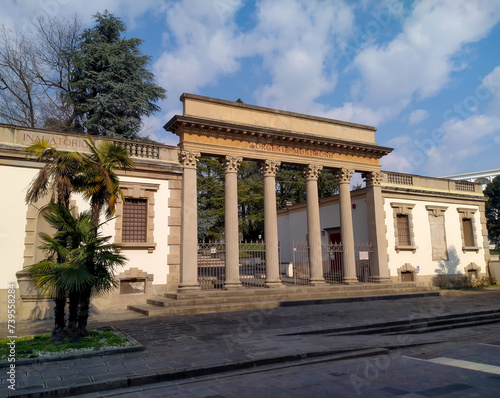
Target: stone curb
{"x": 334, "y": 300}
{"x": 135, "y": 381}
{"x": 83, "y": 354}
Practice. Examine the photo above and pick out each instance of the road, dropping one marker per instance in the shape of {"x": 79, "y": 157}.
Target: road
{"x": 467, "y": 364}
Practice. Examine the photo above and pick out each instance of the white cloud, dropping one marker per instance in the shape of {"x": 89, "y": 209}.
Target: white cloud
{"x": 207, "y": 46}
{"x": 462, "y": 140}
{"x": 420, "y": 60}
{"x": 417, "y": 116}
{"x": 297, "y": 41}
{"x": 491, "y": 83}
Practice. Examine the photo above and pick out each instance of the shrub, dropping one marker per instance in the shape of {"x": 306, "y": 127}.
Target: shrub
{"x": 447, "y": 281}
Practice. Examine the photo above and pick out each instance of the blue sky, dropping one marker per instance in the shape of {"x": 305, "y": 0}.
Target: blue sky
{"x": 426, "y": 73}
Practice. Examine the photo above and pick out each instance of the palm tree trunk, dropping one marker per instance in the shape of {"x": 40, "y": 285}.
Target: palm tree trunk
{"x": 74, "y": 300}
{"x": 58, "y": 332}
{"x": 83, "y": 312}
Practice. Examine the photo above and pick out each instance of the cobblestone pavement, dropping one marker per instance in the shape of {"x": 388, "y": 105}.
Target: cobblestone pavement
{"x": 399, "y": 373}
{"x": 179, "y": 347}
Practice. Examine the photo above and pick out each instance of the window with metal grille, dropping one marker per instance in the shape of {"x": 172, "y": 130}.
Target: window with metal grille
{"x": 134, "y": 220}
{"x": 468, "y": 232}
{"x": 403, "y": 230}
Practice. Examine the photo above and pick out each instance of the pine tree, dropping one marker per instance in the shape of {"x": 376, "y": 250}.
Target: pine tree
{"x": 111, "y": 87}
{"x": 492, "y": 193}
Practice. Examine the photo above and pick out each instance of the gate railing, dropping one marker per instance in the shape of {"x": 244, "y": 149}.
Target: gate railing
{"x": 332, "y": 256}
{"x": 212, "y": 264}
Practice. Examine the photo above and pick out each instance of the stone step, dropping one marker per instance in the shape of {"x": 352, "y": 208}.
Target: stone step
{"x": 360, "y": 287}
{"x": 412, "y": 325}
{"x": 272, "y": 294}
{"x": 183, "y": 307}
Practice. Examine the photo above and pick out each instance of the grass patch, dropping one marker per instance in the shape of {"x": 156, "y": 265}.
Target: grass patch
{"x": 39, "y": 346}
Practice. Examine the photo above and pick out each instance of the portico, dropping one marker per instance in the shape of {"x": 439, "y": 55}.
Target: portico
{"x": 235, "y": 132}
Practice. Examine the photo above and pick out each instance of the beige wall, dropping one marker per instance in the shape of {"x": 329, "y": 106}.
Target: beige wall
{"x": 422, "y": 257}
{"x": 242, "y": 114}
{"x": 17, "y": 220}
{"x": 292, "y": 222}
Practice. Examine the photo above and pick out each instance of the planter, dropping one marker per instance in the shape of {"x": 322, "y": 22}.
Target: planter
{"x": 27, "y": 288}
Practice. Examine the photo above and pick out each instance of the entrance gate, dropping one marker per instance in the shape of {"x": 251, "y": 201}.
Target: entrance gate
{"x": 212, "y": 260}
{"x": 235, "y": 132}
{"x": 333, "y": 270}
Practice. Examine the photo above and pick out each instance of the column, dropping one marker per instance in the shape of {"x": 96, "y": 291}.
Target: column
{"x": 311, "y": 173}
{"x": 189, "y": 223}
{"x": 269, "y": 168}
{"x": 231, "y": 164}
{"x": 349, "y": 261}
{"x": 376, "y": 226}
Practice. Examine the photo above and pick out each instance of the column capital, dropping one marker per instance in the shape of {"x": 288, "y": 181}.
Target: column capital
{"x": 231, "y": 163}
{"x": 189, "y": 158}
{"x": 344, "y": 175}
{"x": 372, "y": 178}
{"x": 269, "y": 167}
{"x": 311, "y": 171}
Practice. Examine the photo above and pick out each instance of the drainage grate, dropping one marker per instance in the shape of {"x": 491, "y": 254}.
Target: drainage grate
{"x": 423, "y": 356}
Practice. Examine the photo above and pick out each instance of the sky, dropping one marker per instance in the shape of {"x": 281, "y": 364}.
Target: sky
{"x": 426, "y": 73}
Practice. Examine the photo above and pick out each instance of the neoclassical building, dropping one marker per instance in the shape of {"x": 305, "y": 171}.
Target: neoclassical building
{"x": 156, "y": 224}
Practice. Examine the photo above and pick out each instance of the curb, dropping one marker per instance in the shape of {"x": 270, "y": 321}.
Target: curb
{"x": 151, "y": 378}
{"x": 136, "y": 346}
{"x": 356, "y": 299}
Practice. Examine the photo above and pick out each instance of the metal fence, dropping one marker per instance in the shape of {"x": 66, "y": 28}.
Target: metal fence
{"x": 364, "y": 262}
{"x": 212, "y": 264}
{"x": 333, "y": 269}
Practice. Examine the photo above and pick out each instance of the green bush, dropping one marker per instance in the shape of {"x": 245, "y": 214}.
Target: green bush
{"x": 447, "y": 281}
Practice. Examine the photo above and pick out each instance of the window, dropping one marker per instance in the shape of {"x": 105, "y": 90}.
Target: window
{"x": 438, "y": 232}
{"x": 135, "y": 219}
{"x": 403, "y": 230}
{"x": 468, "y": 230}
{"x": 134, "y": 228}
{"x": 403, "y": 226}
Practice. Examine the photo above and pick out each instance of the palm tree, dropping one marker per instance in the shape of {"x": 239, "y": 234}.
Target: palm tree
{"x": 88, "y": 260}
{"x": 99, "y": 184}
{"x": 55, "y": 177}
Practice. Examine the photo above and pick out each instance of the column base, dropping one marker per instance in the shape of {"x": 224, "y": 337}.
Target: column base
{"x": 350, "y": 280}
{"x": 273, "y": 284}
{"x": 317, "y": 282}
{"x": 232, "y": 285}
{"x": 381, "y": 279}
{"x": 184, "y": 287}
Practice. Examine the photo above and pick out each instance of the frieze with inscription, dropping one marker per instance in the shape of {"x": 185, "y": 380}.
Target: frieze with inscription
{"x": 292, "y": 150}
{"x": 55, "y": 141}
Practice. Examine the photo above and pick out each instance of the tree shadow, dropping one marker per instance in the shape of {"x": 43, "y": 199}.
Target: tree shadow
{"x": 449, "y": 267}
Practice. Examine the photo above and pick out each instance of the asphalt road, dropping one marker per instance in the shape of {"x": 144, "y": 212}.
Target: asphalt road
{"x": 465, "y": 363}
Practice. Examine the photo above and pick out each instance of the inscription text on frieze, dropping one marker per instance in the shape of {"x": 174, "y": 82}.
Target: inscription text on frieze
{"x": 294, "y": 151}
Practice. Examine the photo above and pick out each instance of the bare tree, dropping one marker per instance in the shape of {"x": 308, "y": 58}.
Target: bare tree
{"x": 35, "y": 69}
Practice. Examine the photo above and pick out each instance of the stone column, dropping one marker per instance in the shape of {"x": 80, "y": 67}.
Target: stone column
{"x": 189, "y": 223}
{"x": 376, "y": 226}
{"x": 311, "y": 173}
{"x": 269, "y": 168}
{"x": 231, "y": 164}
{"x": 347, "y": 232}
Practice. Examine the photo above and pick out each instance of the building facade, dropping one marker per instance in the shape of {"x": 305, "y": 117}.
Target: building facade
{"x": 155, "y": 226}
{"x": 432, "y": 226}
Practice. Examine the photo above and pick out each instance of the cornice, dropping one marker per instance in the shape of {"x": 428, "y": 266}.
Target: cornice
{"x": 193, "y": 125}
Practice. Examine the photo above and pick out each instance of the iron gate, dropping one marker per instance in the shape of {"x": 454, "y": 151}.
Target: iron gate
{"x": 212, "y": 264}
{"x": 332, "y": 255}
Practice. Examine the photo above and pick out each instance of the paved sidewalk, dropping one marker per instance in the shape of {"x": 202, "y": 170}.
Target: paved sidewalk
{"x": 183, "y": 346}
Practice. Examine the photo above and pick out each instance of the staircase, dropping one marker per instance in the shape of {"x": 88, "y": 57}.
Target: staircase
{"x": 210, "y": 301}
